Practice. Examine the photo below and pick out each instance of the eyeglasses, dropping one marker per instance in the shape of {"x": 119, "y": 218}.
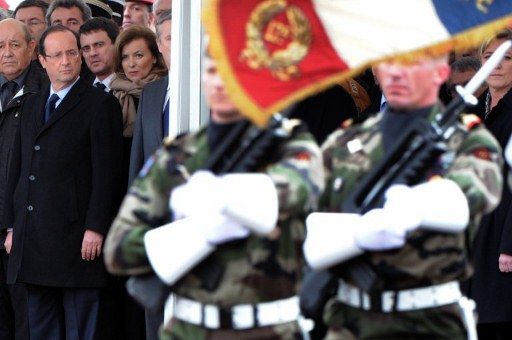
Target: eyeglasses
{"x": 58, "y": 56}
{"x": 34, "y": 22}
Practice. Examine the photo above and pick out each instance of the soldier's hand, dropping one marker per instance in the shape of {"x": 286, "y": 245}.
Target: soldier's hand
{"x": 91, "y": 245}
{"x": 505, "y": 263}
{"x": 8, "y": 242}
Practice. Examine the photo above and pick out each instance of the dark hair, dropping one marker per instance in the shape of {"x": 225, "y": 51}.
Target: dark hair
{"x": 100, "y": 24}
{"x": 50, "y": 30}
{"x": 166, "y": 15}
{"x": 84, "y": 9}
{"x": 466, "y": 64}
{"x": 31, "y": 3}
{"x": 139, "y": 32}
{"x": 150, "y": 7}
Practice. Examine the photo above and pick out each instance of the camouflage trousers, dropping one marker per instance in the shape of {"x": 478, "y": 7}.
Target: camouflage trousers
{"x": 179, "y": 330}
{"x": 348, "y": 323}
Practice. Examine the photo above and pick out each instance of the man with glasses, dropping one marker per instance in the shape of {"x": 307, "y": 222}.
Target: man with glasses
{"x": 32, "y": 13}
{"x": 65, "y": 173}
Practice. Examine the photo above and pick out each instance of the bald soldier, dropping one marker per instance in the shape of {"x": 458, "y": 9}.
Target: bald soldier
{"x": 413, "y": 249}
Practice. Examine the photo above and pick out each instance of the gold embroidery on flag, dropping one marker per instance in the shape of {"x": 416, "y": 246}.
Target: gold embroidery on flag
{"x": 293, "y": 39}
{"x": 483, "y": 5}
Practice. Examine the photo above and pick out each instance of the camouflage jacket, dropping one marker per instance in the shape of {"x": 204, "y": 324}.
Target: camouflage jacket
{"x": 253, "y": 270}
{"x": 427, "y": 257}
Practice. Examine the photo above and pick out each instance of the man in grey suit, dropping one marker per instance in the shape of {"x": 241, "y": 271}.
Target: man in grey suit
{"x": 153, "y": 112}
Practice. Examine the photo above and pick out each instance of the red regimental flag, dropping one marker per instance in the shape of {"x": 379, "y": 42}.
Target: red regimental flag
{"x": 271, "y": 53}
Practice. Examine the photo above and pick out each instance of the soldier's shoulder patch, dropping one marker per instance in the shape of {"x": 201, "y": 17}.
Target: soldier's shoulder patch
{"x": 303, "y": 156}
{"x": 147, "y": 166}
{"x": 482, "y": 153}
{"x": 470, "y": 120}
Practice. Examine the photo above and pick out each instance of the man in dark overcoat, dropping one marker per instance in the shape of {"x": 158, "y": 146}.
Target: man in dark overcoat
{"x": 62, "y": 192}
{"x": 20, "y": 77}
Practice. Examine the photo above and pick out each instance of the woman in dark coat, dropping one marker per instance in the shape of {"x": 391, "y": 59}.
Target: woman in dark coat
{"x": 491, "y": 285}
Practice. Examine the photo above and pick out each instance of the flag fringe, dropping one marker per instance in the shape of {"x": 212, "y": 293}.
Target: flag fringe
{"x": 259, "y": 115}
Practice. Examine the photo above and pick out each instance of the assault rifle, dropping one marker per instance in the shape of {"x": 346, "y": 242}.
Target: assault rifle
{"x": 416, "y": 151}
{"x": 245, "y": 149}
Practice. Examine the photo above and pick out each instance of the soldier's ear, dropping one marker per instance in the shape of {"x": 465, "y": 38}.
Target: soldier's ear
{"x": 442, "y": 73}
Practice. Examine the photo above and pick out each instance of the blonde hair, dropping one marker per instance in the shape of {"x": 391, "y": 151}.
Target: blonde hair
{"x": 506, "y": 34}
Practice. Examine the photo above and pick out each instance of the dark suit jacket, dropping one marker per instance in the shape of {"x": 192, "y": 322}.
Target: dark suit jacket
{"x": 64, "y": 179}
{"x": 147, "y": 134}
{"x": 35, "y": 81}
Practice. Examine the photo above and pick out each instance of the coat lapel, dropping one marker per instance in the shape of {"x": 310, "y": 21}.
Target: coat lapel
{"x": 66, "y": 106}
{"x": 38, "y": 110}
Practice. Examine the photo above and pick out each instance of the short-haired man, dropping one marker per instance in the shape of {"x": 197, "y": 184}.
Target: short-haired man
{"x": 65, "y": 172}
{"x": 19, "y": 79}
{"x": 161, "y": 6}
{"x": 32, "y": 13}
{"x": 138, "y": 12}
{"x": 406, "y": 281}
{"x": 463, "y": 69}
{"x": 97, "y": 38}
{"x": 69, "y": 13}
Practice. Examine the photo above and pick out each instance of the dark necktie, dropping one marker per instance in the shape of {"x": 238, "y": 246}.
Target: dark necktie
{"x": 8, "y": 92}
{"x": 50, "y": 106}
{"x": 100, "y": 85}
{"x": 165, "y": 119}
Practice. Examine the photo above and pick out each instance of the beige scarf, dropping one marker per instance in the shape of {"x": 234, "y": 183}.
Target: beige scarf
{"x": 125, "y": 91}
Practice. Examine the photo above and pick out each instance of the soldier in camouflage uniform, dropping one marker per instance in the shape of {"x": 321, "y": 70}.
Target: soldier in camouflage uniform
{"x": 253, "y": 270}
{"x": 422, "y": 258}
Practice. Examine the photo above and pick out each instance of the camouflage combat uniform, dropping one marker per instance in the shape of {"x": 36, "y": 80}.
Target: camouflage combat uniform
{"x": 254, "y": 270}
{"x": 427, "y": 258}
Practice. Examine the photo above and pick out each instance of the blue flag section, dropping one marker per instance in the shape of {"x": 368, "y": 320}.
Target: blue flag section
{"x": 460, "y": 15}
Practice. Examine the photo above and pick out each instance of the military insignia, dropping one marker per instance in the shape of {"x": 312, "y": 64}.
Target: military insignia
{"x": 147, "y": 166}
{"x": 303, "y": 156}
{"x": 354, "y": 146}
{"x": 482, "y": 153}
{"x": 274, "y": 43}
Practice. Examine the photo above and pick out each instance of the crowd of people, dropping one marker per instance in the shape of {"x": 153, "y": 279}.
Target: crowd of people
{"x": 74, "y": 71}
{"x": 87, "y": 176}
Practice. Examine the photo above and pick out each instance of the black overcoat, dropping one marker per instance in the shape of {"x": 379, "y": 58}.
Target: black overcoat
{"x": 64, "y": 179}
{"x": 490, "y": 288}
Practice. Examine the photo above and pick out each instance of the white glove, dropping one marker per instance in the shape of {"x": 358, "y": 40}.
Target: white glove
{"x": 330, "y": 239}
{"x": 249, "y": 199}
{"x": 202, "y": 194}
{"x": 219, "y": 229}
{"x": 382, "y": 229}
{"x": 175, "y": 248}
{"x": 508, "y": 152}
{"x": 438, "y": 205}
